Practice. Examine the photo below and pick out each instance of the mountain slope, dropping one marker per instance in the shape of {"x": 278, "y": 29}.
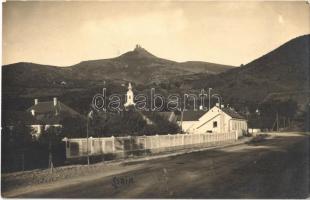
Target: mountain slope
{"x": 284, "y": 69}
{"x": 138, "y": 66}
{"x": 22, "y": 82}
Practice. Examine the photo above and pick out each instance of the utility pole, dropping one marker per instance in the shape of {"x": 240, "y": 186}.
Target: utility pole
{"x": 277, "y": 122}
{"x": 50, "y": 156}
{"x": 181, "y": 121}
{"x": 87, "y": 140}
{"x": 89, "y": 116}
{"x": 209, "y": 97}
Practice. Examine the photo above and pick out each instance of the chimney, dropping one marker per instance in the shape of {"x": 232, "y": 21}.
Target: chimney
{"x": 32, "y": 112}
{"x": 55, "y": 101}
{"x": 36, "y": 101}
{"x": 200, "y": 107}
{"x": 222, "y": 106}
{"x": 217, "y": 105}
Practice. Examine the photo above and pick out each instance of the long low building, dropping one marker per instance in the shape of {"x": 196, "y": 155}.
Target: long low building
{"x": 216, "y": 120}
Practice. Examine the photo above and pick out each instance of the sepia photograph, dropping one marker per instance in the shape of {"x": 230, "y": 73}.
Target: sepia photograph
{"x": 155, "y": 99}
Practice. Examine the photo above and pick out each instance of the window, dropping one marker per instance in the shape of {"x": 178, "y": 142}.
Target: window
{"x": 215, "y": 124}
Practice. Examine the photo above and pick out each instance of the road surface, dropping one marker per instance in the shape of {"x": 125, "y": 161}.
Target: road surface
{"x": 275, "y": 168}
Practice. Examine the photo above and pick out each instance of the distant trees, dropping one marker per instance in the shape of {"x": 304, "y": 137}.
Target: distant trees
{"x": 51, "y": 139}
{"x": 131, "y": 123}
{"x": 268, "y": 111}
{"x": 161, "y": 126}
{"x": 15, "y": 143}
{"x": 73, "y": 127}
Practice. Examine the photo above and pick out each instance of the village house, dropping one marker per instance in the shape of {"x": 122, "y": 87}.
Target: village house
{"x": 49, "y": 113}
{"x": 216, "y": 120}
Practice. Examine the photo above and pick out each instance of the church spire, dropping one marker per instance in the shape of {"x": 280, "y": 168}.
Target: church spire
{"x": 129, "y": 86}
{"x": 130, "y": 97}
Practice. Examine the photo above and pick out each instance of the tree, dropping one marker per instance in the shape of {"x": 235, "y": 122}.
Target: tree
{"x": 50, "y": 138}
{"x": 73, "y": 127}
{"x": 131, "y": 123}
{"x": 21, "y": 140}
{"x": 16, "y": 140}
{"x": 273, "y": 108}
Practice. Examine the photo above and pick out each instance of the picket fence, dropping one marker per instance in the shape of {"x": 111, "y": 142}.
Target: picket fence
{"x": 81, "y": 147}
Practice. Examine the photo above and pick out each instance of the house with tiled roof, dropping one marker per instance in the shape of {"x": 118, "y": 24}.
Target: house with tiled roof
{"x": 216, "y": 120}
{"x": 188, "y": 119}
{"x": 50, "y": 113}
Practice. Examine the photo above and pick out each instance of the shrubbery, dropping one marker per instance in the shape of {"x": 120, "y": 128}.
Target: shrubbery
{"x": 130, "y": 123}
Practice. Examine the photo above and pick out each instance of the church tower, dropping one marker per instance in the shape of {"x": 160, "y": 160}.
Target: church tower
{"x": 130, "y": 97}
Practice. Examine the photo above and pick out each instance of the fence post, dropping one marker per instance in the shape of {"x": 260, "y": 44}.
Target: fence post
{"x": 209, "y": 138}
{"x": 169, "y": 141}
{"x": 113, "y": 143}
{"x": 214, "y": 138}
{"x": 91, "y": 145}
{"x": 145, "y": 142}
{"x": 174, "y": 140}
{"x": 103, "y": 145}
{"x": 130, "y": 142}
{"x": 157, "y": 139}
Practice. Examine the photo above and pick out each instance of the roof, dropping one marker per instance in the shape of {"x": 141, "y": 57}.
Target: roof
{"x": 48, "y": 106}
{"x": 151, "y": 115}
{"x": 191, "y": 115}
{"x": 234, "y": 114}
{"x": 170, "y": 116}
{"x": 47, "y": 113}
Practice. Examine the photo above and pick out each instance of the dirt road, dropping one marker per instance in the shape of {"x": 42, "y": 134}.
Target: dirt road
{"x": 275, "y": 168}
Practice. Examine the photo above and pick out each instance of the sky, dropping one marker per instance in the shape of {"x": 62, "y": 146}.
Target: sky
{"x": 66, "y": 33}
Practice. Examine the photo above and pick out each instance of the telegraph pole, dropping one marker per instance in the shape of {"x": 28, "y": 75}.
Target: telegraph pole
{"x": 210, "y": 97}
{"x": 87, "y": 140}
{"x": 181, "y": 121}
{"x": 277, "y": 122}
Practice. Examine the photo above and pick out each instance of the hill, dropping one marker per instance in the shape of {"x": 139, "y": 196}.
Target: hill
{"x": 24, "y": 81}
{"x": 283, "y": 70}
{"x": 138, "y": 66}
{"x": 282, "y": 74}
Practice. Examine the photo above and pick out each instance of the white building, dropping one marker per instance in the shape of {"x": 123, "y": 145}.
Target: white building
{"x": 216, "y": 120}
{"x": 130, "y": 97}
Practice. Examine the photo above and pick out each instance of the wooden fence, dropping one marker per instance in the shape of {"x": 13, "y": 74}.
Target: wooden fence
{"x": 77, "y": 147}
